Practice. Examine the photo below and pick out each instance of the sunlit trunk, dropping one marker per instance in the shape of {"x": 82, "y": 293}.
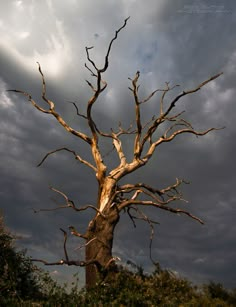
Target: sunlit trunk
{"x": 99, "y": 248}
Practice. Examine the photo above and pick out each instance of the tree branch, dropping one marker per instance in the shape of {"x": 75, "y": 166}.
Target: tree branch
{"x": 74, "y": 232}
{"x": 163, "y": 114}
{"x": 31, "y": 100}
{"x": 77, "y": 157}
{"x": 69, "y": 204}
{"x": 67, "y": 261}
{"x": 159, "y": 198}
{"x": 86, "y": 244}
{"x": 145, "y": 218}
{"x": 102, "y": 70}
{"x": 118, "y": 146}
{"x": 49, "y": 102}
{"x": 80, "y": 263}
{"x": 164, "y": 139}
{"x": 157, "y": 205}
{"x": 101, "y": 85}
{"x": 137, "y": 115}
{"x": 77, "y": 110}
{"x": 51, "y": 110}
{"x": 64, "y": 245}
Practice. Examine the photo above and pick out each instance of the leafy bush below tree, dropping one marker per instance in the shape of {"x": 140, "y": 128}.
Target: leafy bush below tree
{"x": 24, "y": 284}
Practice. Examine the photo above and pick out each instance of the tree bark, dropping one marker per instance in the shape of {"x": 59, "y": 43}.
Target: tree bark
{"x": 99, "y": 247}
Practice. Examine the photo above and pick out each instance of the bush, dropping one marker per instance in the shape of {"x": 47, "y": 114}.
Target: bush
{"x": 161, "y": 288}
{"x": 23, "y": 284}
{"x": 18, "y": 280}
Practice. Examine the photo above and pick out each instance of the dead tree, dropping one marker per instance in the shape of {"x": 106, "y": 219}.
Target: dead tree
{"x": 114, "y": 197}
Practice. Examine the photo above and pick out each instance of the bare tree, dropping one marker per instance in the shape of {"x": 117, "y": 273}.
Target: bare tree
{"x": 114, "y": 197}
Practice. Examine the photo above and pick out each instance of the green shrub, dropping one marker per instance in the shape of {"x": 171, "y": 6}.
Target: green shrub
{"x": 23, "y": 284}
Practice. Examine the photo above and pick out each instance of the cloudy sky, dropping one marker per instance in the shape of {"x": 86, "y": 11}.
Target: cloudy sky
{"x": 182, "y": 42}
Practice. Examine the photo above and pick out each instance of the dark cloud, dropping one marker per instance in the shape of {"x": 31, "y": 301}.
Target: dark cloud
{"x": 183, "y": 42}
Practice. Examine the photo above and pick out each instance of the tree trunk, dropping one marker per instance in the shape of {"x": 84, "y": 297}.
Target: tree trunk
{"x": 99, "y": 249}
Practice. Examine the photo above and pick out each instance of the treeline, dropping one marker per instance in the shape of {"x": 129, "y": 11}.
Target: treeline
{"x": 24, "y": 284}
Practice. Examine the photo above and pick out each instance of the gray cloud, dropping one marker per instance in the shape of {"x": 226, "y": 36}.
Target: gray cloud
{"x": 183, "y": 42}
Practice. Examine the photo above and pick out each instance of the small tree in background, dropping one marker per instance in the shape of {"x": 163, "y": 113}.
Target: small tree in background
{"x": 114, "y": 197}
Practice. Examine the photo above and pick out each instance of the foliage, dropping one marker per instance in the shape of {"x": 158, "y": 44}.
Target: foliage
{"x": 17, "y": 272}
{"x": 161, "y": 288}
{"x": 24, "y": 284}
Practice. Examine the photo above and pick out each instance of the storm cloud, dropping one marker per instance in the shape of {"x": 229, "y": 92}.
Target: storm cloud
{"x": 182, "y": 42}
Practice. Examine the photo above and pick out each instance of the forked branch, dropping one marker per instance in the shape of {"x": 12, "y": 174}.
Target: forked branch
{"x": 157, "y": 205}
{"x": 69, "y": 204}
{"x": 80, "y": 263}
{"x": 97, "y": 90}
{"x": 158, "y": 198}
{"x": 164, "y": 117}
{"x": 67, "y": 260}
